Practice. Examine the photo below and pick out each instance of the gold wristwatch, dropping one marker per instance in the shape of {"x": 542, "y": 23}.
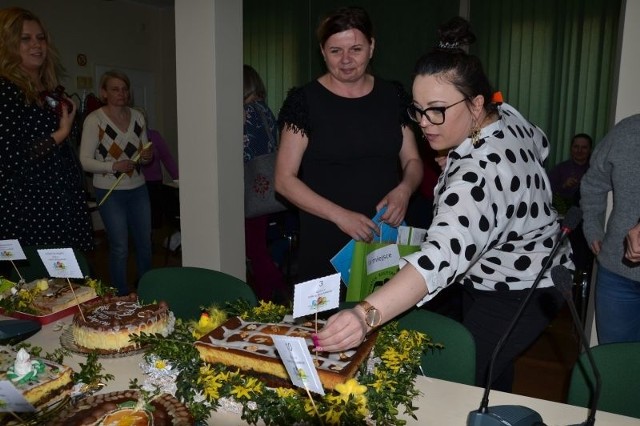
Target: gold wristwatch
{"x": 372, "y": 316}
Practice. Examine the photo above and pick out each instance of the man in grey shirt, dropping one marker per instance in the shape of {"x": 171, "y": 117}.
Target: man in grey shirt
{"x": 615, "y": 167}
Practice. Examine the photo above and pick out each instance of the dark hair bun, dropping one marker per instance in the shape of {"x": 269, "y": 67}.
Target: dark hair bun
{"x": 455, "y": 34}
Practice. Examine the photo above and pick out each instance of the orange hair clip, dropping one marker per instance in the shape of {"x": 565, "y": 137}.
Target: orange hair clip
{"x": 497, "y": 98}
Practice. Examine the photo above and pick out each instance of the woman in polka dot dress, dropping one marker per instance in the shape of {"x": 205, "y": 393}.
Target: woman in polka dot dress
{"x": 493, "y": 224}
{"x": 42, "y": 200}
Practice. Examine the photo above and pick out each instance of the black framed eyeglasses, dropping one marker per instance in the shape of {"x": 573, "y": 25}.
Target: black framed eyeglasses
{"x": 435, "y": 115}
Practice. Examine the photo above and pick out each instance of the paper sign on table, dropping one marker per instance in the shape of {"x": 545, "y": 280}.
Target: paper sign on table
{"x": 11, "y": 400}
{"x": 317, "y": 295}
{"x": 60, "y": 263}
{"x": 11, "y": 250}
{"x": 296, "y": 358}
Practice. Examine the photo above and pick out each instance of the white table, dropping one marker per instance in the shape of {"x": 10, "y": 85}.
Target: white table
{"x": 442, "y": 403}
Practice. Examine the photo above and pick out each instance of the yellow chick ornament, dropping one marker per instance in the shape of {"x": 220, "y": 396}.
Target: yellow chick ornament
{"x": 209, "y": 320}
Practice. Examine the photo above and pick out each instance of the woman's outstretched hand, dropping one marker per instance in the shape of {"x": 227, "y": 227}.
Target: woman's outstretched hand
{"x": 344, "y": 330}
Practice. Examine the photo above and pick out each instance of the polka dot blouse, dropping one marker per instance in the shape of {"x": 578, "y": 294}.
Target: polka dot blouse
{"x": 493, "y": 225}
{"x": 42, "y": 201}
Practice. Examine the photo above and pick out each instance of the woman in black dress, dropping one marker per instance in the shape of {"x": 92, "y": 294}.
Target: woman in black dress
{"x": 42, "y": 200}
{"x": 346, "y": 149}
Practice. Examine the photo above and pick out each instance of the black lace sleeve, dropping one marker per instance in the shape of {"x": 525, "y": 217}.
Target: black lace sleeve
{"x": 294, "y": 114}
{"x": 404, "y": 99}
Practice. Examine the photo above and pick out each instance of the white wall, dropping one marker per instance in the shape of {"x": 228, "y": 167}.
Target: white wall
{"x": 209, "y": 82}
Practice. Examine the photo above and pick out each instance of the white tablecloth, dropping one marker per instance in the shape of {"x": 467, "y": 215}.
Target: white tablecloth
{"x": 442, "y": 403}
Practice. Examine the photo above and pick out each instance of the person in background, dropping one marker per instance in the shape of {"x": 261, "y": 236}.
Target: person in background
{"x": 153, "y": 174}
{"x": 493, "y": 225}
{"x": 42, "y": 197}
{"x": 260, "y": 138}
{"x": 346, "y": 150}
{"x": 565, "y": 183}
{"x": 614, "y": 168}
{"x": 112, "y": 136}
{"x": 565, "y": 177}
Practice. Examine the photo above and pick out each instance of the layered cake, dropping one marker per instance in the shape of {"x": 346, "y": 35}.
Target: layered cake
{"x": 107, "y": 324}
{"x": 57, "y": 295}
{"x": 40, "y": 381}
{"x": 49, "y": 296}
{"x": 126, "y": 408}
{"x": 249, "y": 347}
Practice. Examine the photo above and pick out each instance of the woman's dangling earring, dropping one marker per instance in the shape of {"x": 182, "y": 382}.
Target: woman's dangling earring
{"x": 475, "y": 133}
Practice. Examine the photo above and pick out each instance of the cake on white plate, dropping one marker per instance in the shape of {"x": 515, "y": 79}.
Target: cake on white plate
{"x": 106, "y": 325}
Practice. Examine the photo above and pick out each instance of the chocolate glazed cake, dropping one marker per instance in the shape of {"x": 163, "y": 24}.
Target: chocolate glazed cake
{"x": 107, "y": 324}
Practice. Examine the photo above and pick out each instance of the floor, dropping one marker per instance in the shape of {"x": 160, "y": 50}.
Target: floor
{"x": 543, "y": 371}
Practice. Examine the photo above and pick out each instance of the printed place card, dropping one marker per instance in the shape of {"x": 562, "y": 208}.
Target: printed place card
{"x": 60, "y": 263}
{"x": 296, "y": 357}
{"x": 317, "y": 295}
{"x": 11, "y": 400}
{"x": 11, "y": 250}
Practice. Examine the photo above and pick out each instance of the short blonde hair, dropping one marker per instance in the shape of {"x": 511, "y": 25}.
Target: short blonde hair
{"x": 114, "y": 74}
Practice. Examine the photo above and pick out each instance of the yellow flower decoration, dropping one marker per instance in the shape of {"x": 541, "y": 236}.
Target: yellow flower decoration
{"x": 211, "y": 382}
{"x": 350, "y": 387}
{"x": 286, "y": 393}
{"x": 160, "y": 364}
{"x": 332, "y": 417}
{"x": 252, "y": 385}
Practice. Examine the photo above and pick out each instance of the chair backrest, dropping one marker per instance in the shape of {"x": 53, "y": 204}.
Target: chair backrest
{"x": 619, "y": 367}
{"x": 32, "y": 267}
{"x": 457, "y": 361}
{"x": 186, "y": 289}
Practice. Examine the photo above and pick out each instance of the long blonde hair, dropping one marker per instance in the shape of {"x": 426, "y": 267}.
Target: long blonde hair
{"x": 11, "y": 25}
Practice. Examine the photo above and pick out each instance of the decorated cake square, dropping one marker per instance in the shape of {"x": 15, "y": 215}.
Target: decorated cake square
{"x": 45, "y": 296}
{"x": 249, "y": 347}
{"x": 40, "y": 381}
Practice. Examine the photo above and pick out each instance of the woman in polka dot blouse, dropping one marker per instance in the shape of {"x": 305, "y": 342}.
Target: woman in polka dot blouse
{"x": 42, "y": 199}
{"x": 493, "y": 224}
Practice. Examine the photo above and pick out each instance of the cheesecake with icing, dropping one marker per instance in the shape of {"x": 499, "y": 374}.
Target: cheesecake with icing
{"x": 106, "y": 325}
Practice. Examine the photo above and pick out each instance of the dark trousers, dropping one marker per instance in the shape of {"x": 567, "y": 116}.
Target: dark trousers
{"x": 487, "y": 315}
{"x": 268, "y": 282}
{"x": 156, "y": 198}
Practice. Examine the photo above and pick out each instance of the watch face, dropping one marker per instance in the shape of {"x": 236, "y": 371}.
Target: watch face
{"x": 373, "y": 317}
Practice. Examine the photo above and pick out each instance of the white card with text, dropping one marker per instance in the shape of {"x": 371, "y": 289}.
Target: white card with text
{"x": 11, "y": 400}
{"x": 296, "y": 357}
{"x": 60, "y": 263}
{"x": 317, "y": 295}
{"x": 11, "y": 250}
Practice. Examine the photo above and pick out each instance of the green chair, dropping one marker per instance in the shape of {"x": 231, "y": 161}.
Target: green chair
{"x": 619, "y": 367}
{"x": 32, "y": 267}
{"x": 186, "y": 289}
{"x": 457, "y": 361}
